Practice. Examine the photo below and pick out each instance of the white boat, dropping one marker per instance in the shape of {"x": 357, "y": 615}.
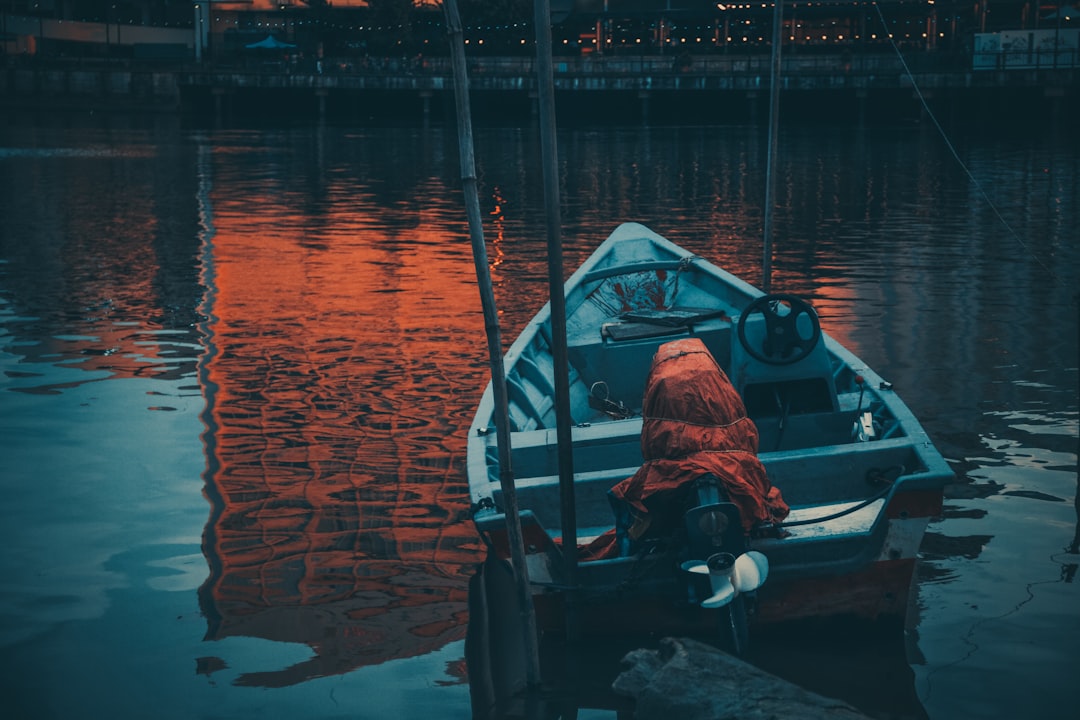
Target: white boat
{"x": 854, "y": 475}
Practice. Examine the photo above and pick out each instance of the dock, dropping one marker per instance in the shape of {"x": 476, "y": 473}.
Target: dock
{"x": 624, "y": 89}
{"x": 688, "y": 679}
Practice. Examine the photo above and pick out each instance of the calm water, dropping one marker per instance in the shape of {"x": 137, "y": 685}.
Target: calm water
{"x": 239, "y": 366}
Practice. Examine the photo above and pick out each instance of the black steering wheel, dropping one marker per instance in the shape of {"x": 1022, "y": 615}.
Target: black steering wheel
{"x": 783, "y": 343}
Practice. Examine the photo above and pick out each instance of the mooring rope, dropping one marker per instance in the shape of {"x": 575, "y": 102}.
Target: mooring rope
{"x": 952, "y": 148}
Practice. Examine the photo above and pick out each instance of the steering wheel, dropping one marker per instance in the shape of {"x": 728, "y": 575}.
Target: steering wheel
{"x": 783, "y": 343}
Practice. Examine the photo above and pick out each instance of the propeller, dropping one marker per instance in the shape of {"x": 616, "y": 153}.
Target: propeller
{"x": 729, "y": 575}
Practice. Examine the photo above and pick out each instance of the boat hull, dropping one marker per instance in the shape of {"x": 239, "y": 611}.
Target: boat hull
{"x": 879, "y": 593}
{"x": 859, "y": 473}
{"x": 650, "y": 596}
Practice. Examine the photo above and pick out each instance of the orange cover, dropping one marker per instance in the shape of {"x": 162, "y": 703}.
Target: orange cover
{"x": 694, "y": 424}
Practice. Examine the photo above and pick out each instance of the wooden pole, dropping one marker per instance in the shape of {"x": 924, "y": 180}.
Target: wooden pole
{"x": 549, "y": 151}
{"x": 494, "y": 342}
{"x": 770, "y": 167}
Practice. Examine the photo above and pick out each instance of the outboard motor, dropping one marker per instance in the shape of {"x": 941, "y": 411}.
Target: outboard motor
{"x": 723, "y": 573}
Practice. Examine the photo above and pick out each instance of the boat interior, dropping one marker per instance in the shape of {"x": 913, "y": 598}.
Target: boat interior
{"x": 822, "y": 428}
{"x": 832, "y": 435}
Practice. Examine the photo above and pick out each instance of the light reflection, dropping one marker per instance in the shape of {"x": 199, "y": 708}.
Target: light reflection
{"x": 110, "y": 304}
{"x": 498, "y": 255}
{"x": 356, "y": 512}
{"x": 338, "y": 509}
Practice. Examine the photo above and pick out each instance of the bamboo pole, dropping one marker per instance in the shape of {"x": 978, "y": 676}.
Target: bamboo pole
{"x": 561, "y": 363}
{"x": 770, "y": 166}
{"x": 494, "y": 342}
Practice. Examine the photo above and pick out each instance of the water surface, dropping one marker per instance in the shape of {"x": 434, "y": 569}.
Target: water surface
{"x": 239, "y": 365}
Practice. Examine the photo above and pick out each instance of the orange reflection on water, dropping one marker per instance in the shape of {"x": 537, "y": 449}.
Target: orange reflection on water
{"x": 335, "y": 431}
{"x": 105, "y": 298}
{"x": 834, "y": 300}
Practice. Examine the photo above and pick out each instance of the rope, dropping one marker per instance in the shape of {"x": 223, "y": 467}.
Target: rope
{"x": 952, "y": 148}
{"x": 684, "y": 265}
{"x": 854, "y": 508}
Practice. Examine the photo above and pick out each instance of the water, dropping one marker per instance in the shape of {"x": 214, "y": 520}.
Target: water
{"x": 239, "y": 365}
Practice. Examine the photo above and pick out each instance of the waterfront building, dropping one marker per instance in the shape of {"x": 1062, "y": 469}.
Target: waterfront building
{"x": 222, "y": 31}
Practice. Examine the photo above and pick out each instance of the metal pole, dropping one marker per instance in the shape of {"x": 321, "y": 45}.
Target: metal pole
{"x": 198, "y": 32}
{"x": 494, "y": 341}
{"x": 549, "y": 152}
{"x": 770, "y": 165}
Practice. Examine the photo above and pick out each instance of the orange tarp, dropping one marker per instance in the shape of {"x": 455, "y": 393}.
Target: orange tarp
{"x": 694, "y": 424}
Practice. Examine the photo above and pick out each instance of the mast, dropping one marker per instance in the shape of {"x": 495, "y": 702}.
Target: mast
{"x": 494, "y": 341}
{"x": 770, "y": 162}
{"x": 561, "y": 369}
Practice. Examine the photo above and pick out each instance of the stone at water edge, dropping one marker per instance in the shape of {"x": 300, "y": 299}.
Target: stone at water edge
{"x": 690, "y": 680}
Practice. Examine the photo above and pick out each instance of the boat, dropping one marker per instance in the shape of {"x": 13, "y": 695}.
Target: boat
{"x": 850, "y": 476}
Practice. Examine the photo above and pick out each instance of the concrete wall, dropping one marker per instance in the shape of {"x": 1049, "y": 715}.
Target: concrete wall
{"x": 118, "y": 89}
{"x": 101, "y": 33}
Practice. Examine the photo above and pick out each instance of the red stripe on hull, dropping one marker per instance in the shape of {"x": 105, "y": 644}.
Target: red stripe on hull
{"x": 879, "y": 591}
{"x": 915, "y": 504}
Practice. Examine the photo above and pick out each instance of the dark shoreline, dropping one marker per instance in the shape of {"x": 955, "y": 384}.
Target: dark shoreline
{"x": 873, "y": 91}
{"x": 999, "y": 110}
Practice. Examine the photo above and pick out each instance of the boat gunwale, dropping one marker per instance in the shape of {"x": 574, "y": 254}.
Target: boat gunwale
{"x": 934, "y": 469}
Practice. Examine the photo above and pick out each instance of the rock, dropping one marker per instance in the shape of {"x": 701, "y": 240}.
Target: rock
{"x": 690, "y": 680}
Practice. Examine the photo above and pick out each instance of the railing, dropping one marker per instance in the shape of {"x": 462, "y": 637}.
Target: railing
{"x": 609, "y": 71}
{"x": 1035, "y": 59}
{"x": 793, "y": 65}
{"x": 644, "y": 65}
